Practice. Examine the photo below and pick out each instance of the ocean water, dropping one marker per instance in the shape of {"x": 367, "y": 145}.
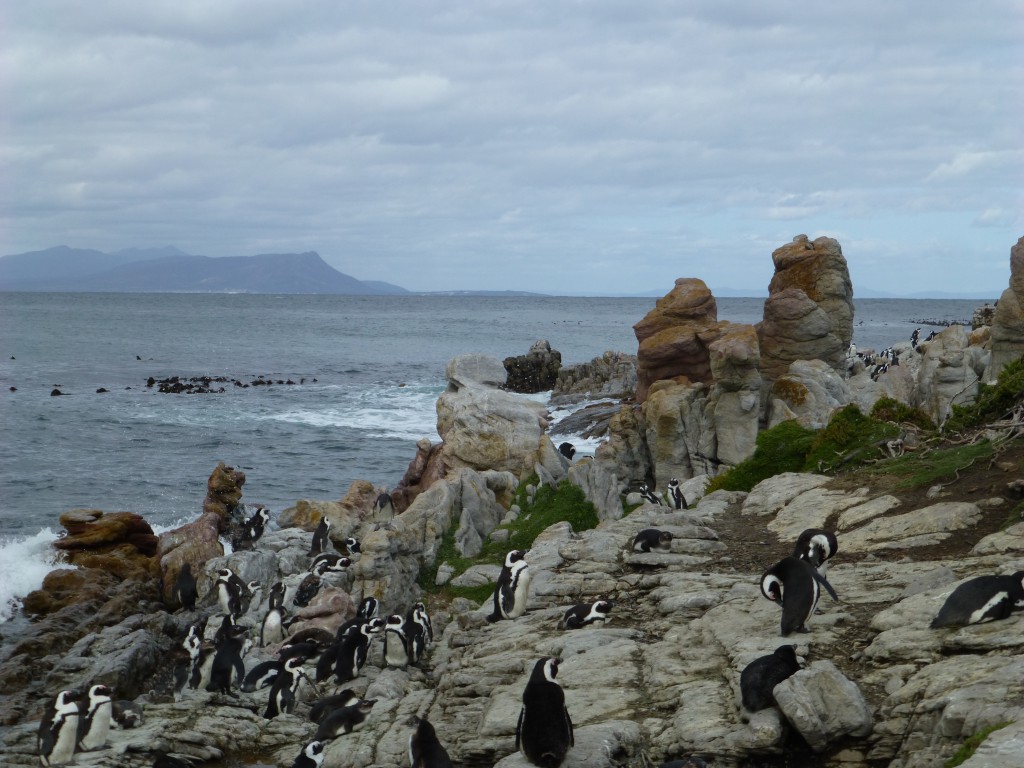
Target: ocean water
{"x": 367, "y": 373}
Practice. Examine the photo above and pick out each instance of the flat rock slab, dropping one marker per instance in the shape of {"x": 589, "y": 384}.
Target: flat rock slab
{"x": 811, "y": 509}
{"x": 922, "y": 527}
{"x": 773, "y": 493}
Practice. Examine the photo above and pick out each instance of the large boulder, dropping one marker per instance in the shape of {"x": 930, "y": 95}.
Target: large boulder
{"x": 613, "y": 374}
{"x": 794, "y": 328}
{"x": 674, "y": 336}
{"x": 536, "y": 371}
{"x": 808, "y": 392}
{"x": 949, "y": 373}
{"x": 223, "y": 493}
{"x": 194, "y": 543}
{"x": 1008, "y": 320}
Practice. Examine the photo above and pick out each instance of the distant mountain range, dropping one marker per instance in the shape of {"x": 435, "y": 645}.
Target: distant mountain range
{"x": 169, "y": 270}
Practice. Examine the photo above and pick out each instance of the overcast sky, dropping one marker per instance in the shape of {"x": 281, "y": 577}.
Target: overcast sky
{"x": 557, "y": 146}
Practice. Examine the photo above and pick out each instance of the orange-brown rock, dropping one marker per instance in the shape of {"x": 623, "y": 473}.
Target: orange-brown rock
{"x": 94, "y": 530}
{"x": 193, "y": 543}
{"x": 819, "y": 269}
{"x": 65, "y": 586}
{"x": 795, "y": 327}
{"x": 426, "y": 468}
{"x": 223, "y": 492}
{"x": 735, "y": 358}
{"x": 674, "y": 336}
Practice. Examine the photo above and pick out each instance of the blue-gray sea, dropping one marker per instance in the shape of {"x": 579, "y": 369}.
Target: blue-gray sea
{"x": 371, "y": 369}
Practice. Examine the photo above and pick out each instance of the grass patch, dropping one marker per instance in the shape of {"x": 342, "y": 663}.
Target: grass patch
{"x": 849, "y": 438}
{"x": 993, "y": 401}
{"x": 916, "y": 471}
{"x": 783, "y": 448}
{"x": 888, "y": 409}
{"x": 971, "y": 745}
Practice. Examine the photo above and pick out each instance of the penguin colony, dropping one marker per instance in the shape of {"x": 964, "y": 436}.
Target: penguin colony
{"x": 77, "y": 721}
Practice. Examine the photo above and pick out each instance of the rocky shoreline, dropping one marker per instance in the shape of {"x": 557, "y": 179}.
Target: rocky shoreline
{"x": 660, "y": 681}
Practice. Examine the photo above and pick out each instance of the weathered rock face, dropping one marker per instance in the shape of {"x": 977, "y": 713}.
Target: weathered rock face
{"x": 794, "y": 328}
{"x": 536, "y": 371}
{"x": 949, "y": 372}
{"x": 1008, "y": 320}
{"x": 675, "y": 335}
{"x": 484, "y": 427}
{"x": 818, "y": 268}
{"x": 426, "y": 468}
{"x": 611, "y": 375}
{"x": 194, "y": 543}
{"x": 808, "y": 392}
{"x": 121, "y": 543}
{"x": 223, "y": 492}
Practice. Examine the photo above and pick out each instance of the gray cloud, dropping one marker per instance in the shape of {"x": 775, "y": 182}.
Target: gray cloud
{"x": 601, "y": 147}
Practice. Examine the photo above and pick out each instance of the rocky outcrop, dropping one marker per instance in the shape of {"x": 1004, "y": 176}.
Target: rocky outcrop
{"x": 810, "y": 391}
{"x": 1008, "y": 320}
{"x": 795, "y": 328}
{"x": 949, "y": 372}
{"x": 612, "y": 375}
{"x": 223, "y": 493}
{"x": 536, "y": 371}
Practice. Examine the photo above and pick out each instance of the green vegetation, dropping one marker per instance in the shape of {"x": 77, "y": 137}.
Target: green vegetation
{"x": 849, "y": 438}
{"x": 993, "y": 401}
{"x": 888, "y": 409}
{"x": 550, "y": 506}
{"x": 918, "y": 470}
{"x": 783, "y": 448}
{"x": 971, "y": 745}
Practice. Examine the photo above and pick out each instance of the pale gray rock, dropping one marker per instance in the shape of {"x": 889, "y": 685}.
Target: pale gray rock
{"x": 1001, "y": 749}
{"x": 735, "y": 420}
{"x": 1010, "y": 540}
{"x": 810, "y": 391}
{"x": 949, "y": 373}
{"x": 868, "y": 510}
{"x": 823, "y": 705}
{"x": 773, "y": 493}
{"x": 921, "y": 527}
{"x": 601, "y": 486}
{"x": 477, "y": 575}
{"x": 1008, "y": 320}
{"x": 811, "y": 509}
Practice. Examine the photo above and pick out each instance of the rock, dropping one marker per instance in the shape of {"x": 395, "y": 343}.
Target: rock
{"x": 223, "y": 492}
{"x": 810, "y": 391}
{"x": 121, "y": 543}
{"x": 949, "y": 373}
{"x": 823, "y": 705}
{"x": 613, "y": 375}
{"x": 195, "y": 543}
{"x": 674, "y": 336}
{"x": 794, "y": 328}
{"x": 426, "y": 468}
{"x": 773, "y": 493}
{"x": 1008, "y": 319}
{"x": 536, "y": 371}
{"x": 678, "y": 434}
{"x": 920, "y": 527}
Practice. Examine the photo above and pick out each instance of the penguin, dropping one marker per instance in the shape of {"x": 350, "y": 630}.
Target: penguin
{"x": 352, "y": 545}
{"x": 512, "y": 587}
{"x": 915, "y": 337}
{"x": 544, "y": 730}
{"x": 983, "y": 598}
{"x": 816, "y": 546}
{"x": 321, "y": 541}
{"x": 793, "y": 584}
{"x": 329, "y": 562}
{"x": 311, "y": 756}
{"x": 321, "y": 637}
{"x": 94, "y": 719}
{"x": 585, "y": 614}
{"x": 307, "y": 590}
{"x": 759, "y": 678}
{"x": 272, "y": 627}
{"x": 58, "y": 730}
{"x": 227, "y": 624}
{"x": 202, "y": 667}
{"x": 326, "y": 661}
{"x": 276, "y": 595}
{"x": 185, "y": 588}
{"x": 675, "y": 495}
{"x": 383, "y": 509}
{"x": 568, "y": 450}
{"x": 650, "y": 539}
{"x": 227, "y": 659}
{"x": 256, "y": 525}
{"x": 649, "y": 495}
{"x": 282, "y": 692}
{"x": 127, "y": 714}
{"x": 327, "y": 704}
{"x": 418, "y": 615}
{"x": 261, "y": 676}
{"x": 229, "y": 592}
{"x": 165, "y": 760}
{"x": 344, "y": 720}
{"x": 396, "y": 642}
{"x": 307, "y": 649}
{"x": 425, "y": 751}
{"x": 353, "y": 649}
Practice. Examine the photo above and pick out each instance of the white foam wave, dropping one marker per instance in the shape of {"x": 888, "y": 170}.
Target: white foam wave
{"x": 24, "y": 562}
{"x": 585, "y": 446}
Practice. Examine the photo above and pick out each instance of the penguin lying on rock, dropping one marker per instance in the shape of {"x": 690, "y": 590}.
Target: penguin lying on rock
{"x": 984, "y": 598}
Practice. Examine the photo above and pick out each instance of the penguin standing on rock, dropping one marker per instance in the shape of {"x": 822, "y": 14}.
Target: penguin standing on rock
{"x": 544, "y": 731}
{"x": 585, "y": 614}
{"x": 321, "y": 540}
{"x": 675, "y": 494}
{"x": 94, "y": 720}
{"x": 512, "y": 588}
{"x": 650, "y": 496}
{"x": 311, "y": 756}
{"x": 985, "y": 598}
{"x": 418, "y": 615}
{"x": 793, "y": 584}
{"x": 759, "y": 678}
{"x": 58, "y": 730}
{"x": 396, "y": 642}
{"x": 383, "y": 510}
{"x": 568, "y": 450}
{"x": 425, "y": 751}
{"x": 272, "y": 628}
{"x": 185, "y": 588}
{"x": 286, "y": 684}
{"x": 227, "y": 660}
{"x": 353, "y": 650}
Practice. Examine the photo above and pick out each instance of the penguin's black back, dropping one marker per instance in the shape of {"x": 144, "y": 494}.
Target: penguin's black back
{"x": 799, "y": 592}
{"x": 966, "y": 603}
{"x": 425, "y": 751}
{"x": 544, "y": 730}
{"x": 759, "y": 678}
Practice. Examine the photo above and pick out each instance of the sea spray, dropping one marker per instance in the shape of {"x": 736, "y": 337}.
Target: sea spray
{"x": 24, "y": 563}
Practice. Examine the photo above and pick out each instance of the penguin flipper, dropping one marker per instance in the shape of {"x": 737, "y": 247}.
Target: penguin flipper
{"x": 568, "y": 722}
{"x": 824, "y": 582}
{"x": 519, "y": 726}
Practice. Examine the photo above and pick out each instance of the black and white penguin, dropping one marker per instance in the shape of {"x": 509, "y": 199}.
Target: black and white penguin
{"x": 307, "y": 649}
{"x": 261, "y": 676}
{"x": 282, "y": 692}
{"x": 816, "y": 546}
{"x": 396, "y": 642}
{"x": 344, "y": 720}
{"x": 311, "y": 756}
{"x": 383, "y": 510}
{"x": 329, "y": 562}
{"x": 321, "y": 540}
{"x": 651, "y": 539}
{"x": 277, "y": 594}
{"x": 307, "y": 590}
{"x": 425, "y": 751}
{"x": 202, "y": 667}
{"x": 127, "y": 714}
{"x": 649, "y": 495}
{"x": 512, "y": 588}
{"x": 321, "y": 637}
{"x": 327, "y": 704}
{"x": 352, "y": 545}
{"x": 984, "y": 598}
{"x": 759, "y": 678}
{"x": 354, "y": 648}
{"x": 229, "y": 592}
{"x": 568, "y": 450}
{"x": 675, "y": 495}
{"x": 95, "y": 717}
{"x": 544, "y": 731}
{"x": 793, "y": 584}
{"x": 185, "y": 592}
{"x": 58, "y": 730}
{"x": 257, "y": 524}
{"x": 915, "y": 337}
{"x": 227, "y": 659}
{"x": 272, "y": 627}
{"x": 585, "y": 614}
{"x": 418, "y": 615}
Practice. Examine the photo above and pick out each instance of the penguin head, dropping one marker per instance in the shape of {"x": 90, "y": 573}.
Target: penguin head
{"x": 294, "y": 662}
{"x": 787, "y": 653}
{"x": 665, "y": 538}
{"x": 373, "y": 626}
{"x": 277, "y": 588}
{"x": 771, "y": 587}
{"x": 395, "y": 621}
{"x": 352, "y": 545}
{"x": 365, "y": 705}
{"x": 368, "y": 608}
{"x": 313, "y": 749}
{"x": 545, "y": 669}
{"x": 673, "y": 483}
{"x": 100, "y": 693}
{"x": 514, "y": 557}
{"x": 603, "y": 606}
{"x": 66, "y": 700}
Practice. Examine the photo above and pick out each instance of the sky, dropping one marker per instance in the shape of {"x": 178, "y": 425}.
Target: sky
{"x": 571, "y": 147}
